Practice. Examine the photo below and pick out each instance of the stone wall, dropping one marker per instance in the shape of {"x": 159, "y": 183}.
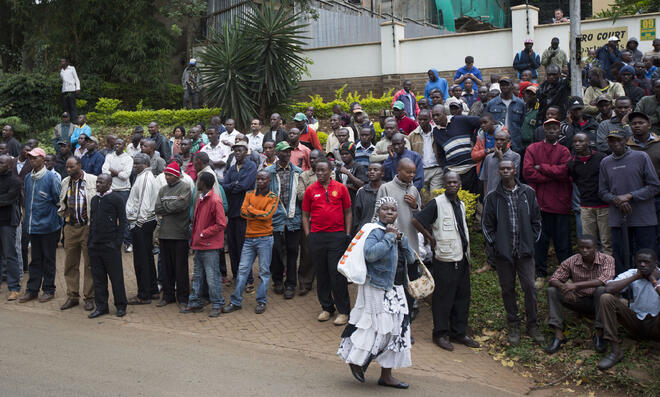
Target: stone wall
{"x": 380, "y": 84}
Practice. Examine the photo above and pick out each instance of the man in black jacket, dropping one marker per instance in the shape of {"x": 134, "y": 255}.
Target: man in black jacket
{"x": 554, "y": 91}
{"x": 577, "y": 121}
{"x": 10, "y": 218}
{"x": 106, "y": 225}
{"x": 511, "y": 223}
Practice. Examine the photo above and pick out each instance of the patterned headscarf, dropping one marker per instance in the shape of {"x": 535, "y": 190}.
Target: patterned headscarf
{"x": 380, "y": 202}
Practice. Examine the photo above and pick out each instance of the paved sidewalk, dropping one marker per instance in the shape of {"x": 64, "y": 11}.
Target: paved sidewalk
{"x": 287, "y": 324}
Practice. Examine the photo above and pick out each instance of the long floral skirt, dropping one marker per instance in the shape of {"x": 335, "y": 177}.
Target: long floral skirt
{"x": 378, "y": 329}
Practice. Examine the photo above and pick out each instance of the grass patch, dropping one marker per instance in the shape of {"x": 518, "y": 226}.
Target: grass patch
{"x": 637, "y": 375}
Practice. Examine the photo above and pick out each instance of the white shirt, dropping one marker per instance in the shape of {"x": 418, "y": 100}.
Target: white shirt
{"x": 19, "y": 165}
{"x": 216, "y": 153}
{"x": 70, "y": 80}
{"x": 428, "y": 156}
{"x": 132, "y": 150}
{"x": 124, "y": 165}
{"x": 255, "y": 142}
{"x": 273, "y": 135}
{"x": 226, "y": 149}
{"x": 645, "y": 299}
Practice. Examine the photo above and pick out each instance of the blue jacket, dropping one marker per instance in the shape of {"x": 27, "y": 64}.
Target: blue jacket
{"x": 85, "y": 129}
{"x": 381, "y": 255}
{"x": 607, "y": 59}
{"x": 93, "y": 164}
{"x": 517, "y": 110}
{"x": 41, "y": 199}
{"x": 237, "y": 183}
{"x": 523, "y": 61}
{"x": 287, "y": 214}
{"x": 439, "y": 83}
{"x": 391, "y": 167}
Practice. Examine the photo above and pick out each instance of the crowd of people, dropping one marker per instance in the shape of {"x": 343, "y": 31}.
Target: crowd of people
{"x": 539, "y": 159}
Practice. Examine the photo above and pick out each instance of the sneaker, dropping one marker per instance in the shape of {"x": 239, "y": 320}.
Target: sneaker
{"x": 539, "y": 283}
{"x": 26, "y": 297}
{"x": 249, "y": 289}
{"x": 129, "y": 248}
{"x": 535, "y": 333}
{"x": 289, "y": 293}
{"x": 260, "y": 309}
{"x": 514, "y": 334}
{"x": 341, "y": 319}
{"x": 324, "y": 316}
{"x": 13, "y": 295}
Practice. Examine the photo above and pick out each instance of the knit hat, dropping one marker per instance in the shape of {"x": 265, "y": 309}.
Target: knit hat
{"x": 349, "y": 146}
{"x": 628, "y": 69}
{"x": 173, "y": 169}
{"x": 380, "y": 202}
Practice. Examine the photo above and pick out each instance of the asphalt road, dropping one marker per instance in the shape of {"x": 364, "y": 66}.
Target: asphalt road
{"x": 45, "y": 355}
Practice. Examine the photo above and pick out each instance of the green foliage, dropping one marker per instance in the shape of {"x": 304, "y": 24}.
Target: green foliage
{"x": 153, "y": 96}
{"x": 254, "y": 64}
{"x": 620, "y": 8}
{"x": 370, "y": 104}
{"x": 80, "y": 105}
{"x": 469, "y": 199}
{"x": 106, "y": 106}
{"x": 20, "y": 128}
{"x": 162, "y": 117}
{"x": 323, "y": 137}
{"x": 33, "y": 98}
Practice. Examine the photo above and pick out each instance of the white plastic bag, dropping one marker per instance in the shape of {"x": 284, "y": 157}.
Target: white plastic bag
{"x": 352, "y": 264}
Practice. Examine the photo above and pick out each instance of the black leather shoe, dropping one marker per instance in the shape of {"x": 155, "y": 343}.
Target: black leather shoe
{"x": 97, "y": 313}
{"x": 609, "y": 361}
{"x": 444, "y": 343}
{"x": 555, "y": 345}
{"x": 121, "y": 312}
{"x": 289, "y": 293}
{"x": 231, "y": 308}
{"x": 278, "y": 289}
{"x": 400, "y": 385}
{"x": 357, "y": 372}
{"x": 600, "y": 344}
{"x": 162, "y": 303}
{"x": 467, "y": 341}
{"x": 70, "y": 302}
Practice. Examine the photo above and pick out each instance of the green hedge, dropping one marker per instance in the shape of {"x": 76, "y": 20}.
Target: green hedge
{"x": 369, "y": 103}
{"x": 162, "y": 117}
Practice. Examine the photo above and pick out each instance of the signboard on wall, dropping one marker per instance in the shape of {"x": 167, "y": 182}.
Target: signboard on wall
{"x": 647, "y": 29}
{"x": 594, "y": 39}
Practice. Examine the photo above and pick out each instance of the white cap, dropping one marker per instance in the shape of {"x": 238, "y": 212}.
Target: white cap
{"x": 193, "y": 61}
{"x": 613, "y": 38}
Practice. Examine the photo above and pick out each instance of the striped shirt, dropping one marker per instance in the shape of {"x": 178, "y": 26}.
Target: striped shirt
{"x": 577, "y": 271}
{"x": 455, "y": 143}
{"x": 76, "y": 202}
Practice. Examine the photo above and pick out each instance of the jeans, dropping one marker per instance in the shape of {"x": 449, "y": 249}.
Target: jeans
{"x": 128, "y": 240}
{"x": 638, "y": 237}
{"x": 42, "y": 267}
{"x": 205, "y": 266}
{"x": 253, "y": 246}
{"x": 10, "y": 257}
{"x": 556, "y": 227}
{"x": 575, "y": 204}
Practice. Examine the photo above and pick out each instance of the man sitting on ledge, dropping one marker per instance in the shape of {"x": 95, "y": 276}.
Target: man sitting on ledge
{"x": 641, "y": 318}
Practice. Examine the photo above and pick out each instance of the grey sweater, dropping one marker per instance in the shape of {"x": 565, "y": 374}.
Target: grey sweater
{"x": 173, "y": 206}
{"x": 397, "y": 189}
{"x": 631, "y": 173}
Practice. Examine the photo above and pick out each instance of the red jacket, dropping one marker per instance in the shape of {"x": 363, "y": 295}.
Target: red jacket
{"x": 310, "y": 137}
{"x": 551, "y": 181}
{"x": 208, "y": 231}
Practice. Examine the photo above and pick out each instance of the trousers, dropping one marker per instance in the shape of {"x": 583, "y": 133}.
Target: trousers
{"x": 176, "y": 281}
{"x": 595, "y": 222}
{"x": 584, "y": 304}
{"x": 42, "y": 267}
{"x": 75, "y": 244}
{"x": 69, "y": 105}
{"x": 143, "y": 260}
{"x": 107, "y": 263}
{"x": 613, "y": 311}
{"x": 638, "y": 237}
{"x": 235, "y": 239}
{"x": 331, "y": 286}
{"x": 506, "y": 273}
{"x": 450, "y": 302}
{"x": 306, "y": 269}
{"x": 555, "y": 227}
{"x": 285, "y": 257}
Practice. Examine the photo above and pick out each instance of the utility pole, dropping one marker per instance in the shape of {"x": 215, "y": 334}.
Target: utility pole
{"x": 575, "y": 47}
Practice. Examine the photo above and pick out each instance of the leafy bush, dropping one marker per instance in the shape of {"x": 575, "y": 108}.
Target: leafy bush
{"x": 162, "y": 117}
{"x": 323, "y": 138}
{"x": 370, "y": 104}
{"x": 32, "y": 97}
{"x": 470, "y": 200}
{"x": 107, "y": 106}
{"x": 20, "y": 128}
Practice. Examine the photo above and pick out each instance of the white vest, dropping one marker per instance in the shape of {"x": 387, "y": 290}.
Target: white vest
{"x": 448, "y": 245}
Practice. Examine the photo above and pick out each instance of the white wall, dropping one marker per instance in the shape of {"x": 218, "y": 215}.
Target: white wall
{"x": 447, "y": 52}
{"x": 344, "y": 62}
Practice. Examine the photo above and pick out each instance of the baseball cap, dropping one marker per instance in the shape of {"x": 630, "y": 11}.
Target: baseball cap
{"x": 533, "y": 88}
{"x": 602, "y": 98}
{"x": 284, "y": 145}
{"x": 398, "y": 105}
{"x": 616, "y": 134}
{"x": 550, "y": 121}
{"x": 93, "y": 138}
{"x": 613, "y": 38}
{"x": 453, "y": 101}
{"x": 628, "y": 69}
{"x": 300, "y": 117}
{"x": 505, "y": 78}
{"x": 576, "y": 103}
{"x": 61, "y": 142}
{"x": 643, "y": 115}
{"x": 239, "y": 143}
{"x": 193, "y": 61}
{"x": 529, "y": 41}
{"x": 357, "y": 109}
{"x": 37, "y": 152}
